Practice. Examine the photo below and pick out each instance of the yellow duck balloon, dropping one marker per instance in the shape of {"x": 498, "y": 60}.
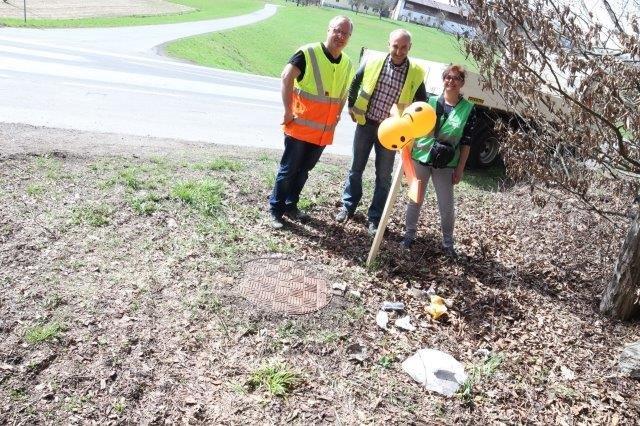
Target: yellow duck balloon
{"x": 398, "y": 132}
{"x": 422, "y": 117}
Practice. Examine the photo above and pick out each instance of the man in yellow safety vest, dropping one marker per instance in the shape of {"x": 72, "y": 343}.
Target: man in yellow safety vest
{"x": 379, "y": 83}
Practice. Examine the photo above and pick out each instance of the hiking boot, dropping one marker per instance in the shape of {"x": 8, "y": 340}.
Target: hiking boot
{"x": 276, "y": 222}
{"x": 343, "y": 215}
{"x": 297, "y": 214}
{"x": 372, "y": 228}
{"x": 406, "y": 243}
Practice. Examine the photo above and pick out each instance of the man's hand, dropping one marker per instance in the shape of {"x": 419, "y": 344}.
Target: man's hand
{"x": 288, "y": 117}
{"x": 458, "y": 172}
{"x": 352, "y": 115}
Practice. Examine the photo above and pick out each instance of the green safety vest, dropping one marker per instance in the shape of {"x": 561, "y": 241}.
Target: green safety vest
{"x": 372, "y": 69}
{"x": 450, "y": 131}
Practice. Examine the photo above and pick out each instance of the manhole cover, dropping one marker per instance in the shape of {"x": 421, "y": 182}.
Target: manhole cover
{"x": 284, "y": 285}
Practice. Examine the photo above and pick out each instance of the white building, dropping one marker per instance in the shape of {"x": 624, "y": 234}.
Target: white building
{"x": 344, "y": 4}
{"x": 433, "y": 13}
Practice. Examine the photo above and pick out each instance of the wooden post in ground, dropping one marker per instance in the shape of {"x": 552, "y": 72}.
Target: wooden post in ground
{"x": 382, "y": 225}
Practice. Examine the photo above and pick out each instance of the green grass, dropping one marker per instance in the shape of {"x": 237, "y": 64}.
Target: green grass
{"x": 276, "y": 378}
{"x": 220, "y": 164}
{"x": 204, "y": 9}
{"x": 491, "y": 179}
{"x": 94, "y": 215}
{"x": 293, "y": 26}
{"x": 328, "y": 336}
{"x": 35, "y": 189}
{"x": 477, "y": 374}
{"x": 51, "y": 167}
{"x": 205, "y": 195}
{"x": 42, "y": 333}
{"x": 18, "y": 394}
{"x": 145, "y": 205}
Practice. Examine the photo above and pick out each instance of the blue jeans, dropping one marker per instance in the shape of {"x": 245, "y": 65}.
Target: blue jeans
{"x": 297, "y": 160}
{"x": 365, "y": 138}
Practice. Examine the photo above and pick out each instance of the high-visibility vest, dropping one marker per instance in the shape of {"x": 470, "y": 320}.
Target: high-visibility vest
{"x": 450, "y": 131}
{"x": 372, "y": 69}
{"x": 318, "y": 98}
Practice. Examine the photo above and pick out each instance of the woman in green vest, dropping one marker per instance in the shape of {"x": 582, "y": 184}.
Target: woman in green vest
{"x": 454, "y": 134}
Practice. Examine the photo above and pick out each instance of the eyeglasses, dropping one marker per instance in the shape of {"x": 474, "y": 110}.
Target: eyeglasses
{"x": 338, "y": 31}
{"x": 454, "y": 77}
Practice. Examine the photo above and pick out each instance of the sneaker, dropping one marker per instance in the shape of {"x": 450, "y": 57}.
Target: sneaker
{"x": 343, "y": 215}
{"x": 298, "y": 215}
{"x": 450, "y": 252}
{"x": 276, "y": 222}
{"x": 372, "y": 228}
{"x": 406, "y": 243}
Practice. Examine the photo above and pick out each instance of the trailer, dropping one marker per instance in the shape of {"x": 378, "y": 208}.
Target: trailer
{"x": 490, "y": 107}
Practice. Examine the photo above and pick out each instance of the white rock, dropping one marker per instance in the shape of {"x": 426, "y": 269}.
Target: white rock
{"x": 630, "y": 360}
{"x": 404, "y": 323}
{"x": 566, "y": 373}
{"x": 339, "y": 286}
{"x": 382, "y": 319}
{"x": 436, "y": 370}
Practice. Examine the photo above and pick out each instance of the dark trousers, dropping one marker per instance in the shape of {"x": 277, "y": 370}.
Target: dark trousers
{"x": 366, "y": 138}
{"x": 297, "y": 160}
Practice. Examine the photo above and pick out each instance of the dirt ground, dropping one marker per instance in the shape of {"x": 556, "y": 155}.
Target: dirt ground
{"x": 118, "y": 302}
{"x": 69, "y": 9}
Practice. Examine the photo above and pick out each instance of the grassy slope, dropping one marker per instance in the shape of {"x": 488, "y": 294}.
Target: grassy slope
{"x": 265, "y": 47}
{"x": 205, "y": 9}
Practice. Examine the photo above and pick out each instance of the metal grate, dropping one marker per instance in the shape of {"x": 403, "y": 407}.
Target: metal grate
{"x": 283, "y": 285}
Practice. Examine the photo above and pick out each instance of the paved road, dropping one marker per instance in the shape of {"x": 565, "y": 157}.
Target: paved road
{"x": 113, "y": 80}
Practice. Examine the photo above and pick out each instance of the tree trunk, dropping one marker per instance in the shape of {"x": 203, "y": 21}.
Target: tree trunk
{"x": 620, "y": 299}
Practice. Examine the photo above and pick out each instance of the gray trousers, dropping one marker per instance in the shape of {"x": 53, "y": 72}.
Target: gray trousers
{"x": 443, "y": 184}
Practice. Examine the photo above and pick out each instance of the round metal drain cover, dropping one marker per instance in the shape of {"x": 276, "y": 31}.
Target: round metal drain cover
{"x": 283, "y": 285}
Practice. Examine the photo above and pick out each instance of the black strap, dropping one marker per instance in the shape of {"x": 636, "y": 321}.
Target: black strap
{"x": 439, "y": 114}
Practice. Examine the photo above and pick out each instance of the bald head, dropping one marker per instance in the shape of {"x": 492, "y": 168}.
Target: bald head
{"x": 399, "y": 45}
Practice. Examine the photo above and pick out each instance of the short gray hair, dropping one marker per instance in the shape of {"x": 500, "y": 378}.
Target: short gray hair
{"x": 336, "y": 19}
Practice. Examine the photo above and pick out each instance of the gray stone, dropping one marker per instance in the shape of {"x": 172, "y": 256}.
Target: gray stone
{"x": 418, "y": 293}
{"x": 630, "y": 360}
{"x": 436, "y": 370}
{"x": 357, "y": 352}
{"x": 392, "y": 306}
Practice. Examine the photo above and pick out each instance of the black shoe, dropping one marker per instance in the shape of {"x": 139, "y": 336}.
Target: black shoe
{"x": 450, "y": 252}
{"x": 298, "y": 215}
{"x": 276, "y": 222}
{"x": 343, "y": 215}
{"x": 372, "y": 228}
{"x": 406, "y": 243}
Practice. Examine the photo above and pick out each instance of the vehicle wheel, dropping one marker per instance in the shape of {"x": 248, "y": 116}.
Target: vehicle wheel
{"x": 486, "y": 153}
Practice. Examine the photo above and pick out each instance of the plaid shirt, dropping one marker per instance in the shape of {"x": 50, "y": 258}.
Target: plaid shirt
{"x": 387, "y": 91}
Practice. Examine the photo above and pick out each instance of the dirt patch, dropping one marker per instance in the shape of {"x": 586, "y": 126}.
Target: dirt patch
{"x": 71, "y": 9}
{"x": 119, "y": 262}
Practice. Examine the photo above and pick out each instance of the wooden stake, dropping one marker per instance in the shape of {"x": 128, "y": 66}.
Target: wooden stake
{"x": 382, "y": 225}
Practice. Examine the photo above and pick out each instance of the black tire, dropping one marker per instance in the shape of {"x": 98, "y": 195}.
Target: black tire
{"x": 485, "y": 153}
